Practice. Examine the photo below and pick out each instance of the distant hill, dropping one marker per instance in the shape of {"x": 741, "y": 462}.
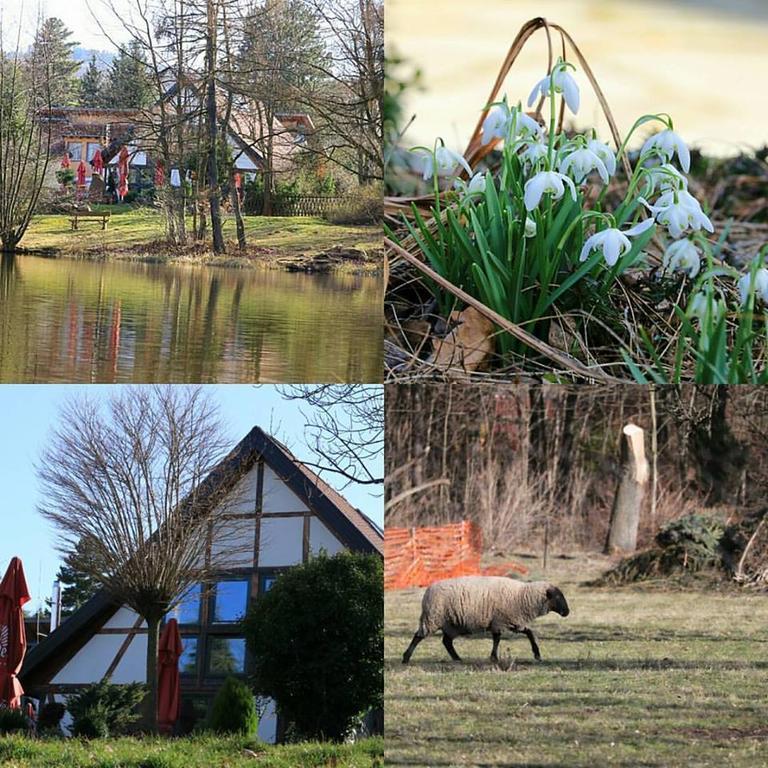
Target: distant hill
{"x": 83, "y": 55}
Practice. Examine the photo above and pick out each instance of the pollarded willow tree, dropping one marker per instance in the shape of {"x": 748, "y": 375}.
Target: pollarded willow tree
{"x": 25, "y": 139}
{"x": 132, "y": 476}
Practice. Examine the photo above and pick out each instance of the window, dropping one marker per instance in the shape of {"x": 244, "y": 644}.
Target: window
{"x": 266, "y": 582}
{"x": 93, "y": 147}
{"x": 188, "y": 658}
{"x": 75, "y": 149}
{"x": 188, "y": 609}
{"x": 226, "y": 655}
{"x": 230, "y": 601}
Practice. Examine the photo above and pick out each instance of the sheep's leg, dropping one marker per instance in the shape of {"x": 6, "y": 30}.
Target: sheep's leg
{"x": 534, "y": 647}
{"x": 495, "y": 650}
{"x": 448, "y": 643}
{"x": 417, "y": 638}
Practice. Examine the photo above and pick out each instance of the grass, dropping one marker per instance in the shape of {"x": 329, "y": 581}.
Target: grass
{"x": 193, "y": 752}
{"x": 135, "y": 232}
{"x": 633, "y": 677}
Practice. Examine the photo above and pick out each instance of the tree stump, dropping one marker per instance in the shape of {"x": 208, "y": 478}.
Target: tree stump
{"x": 625, "y": 515}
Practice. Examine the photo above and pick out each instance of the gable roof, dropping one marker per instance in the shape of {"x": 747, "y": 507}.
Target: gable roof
{"x": 355, "y": 529}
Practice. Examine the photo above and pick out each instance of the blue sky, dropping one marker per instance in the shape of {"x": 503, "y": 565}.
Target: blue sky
{"x": 30, "y": 411}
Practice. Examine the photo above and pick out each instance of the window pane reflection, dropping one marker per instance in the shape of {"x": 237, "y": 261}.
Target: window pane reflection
{"x": 188, "y": 609}
{"x": 226, "y": 655}
{"x": 230, "y": 601}
{"x": 188, "y": 658}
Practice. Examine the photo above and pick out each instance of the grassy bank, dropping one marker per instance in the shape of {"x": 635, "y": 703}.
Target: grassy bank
{"x": 633, "y": 677}
{"x": 136, "y": 233}
{"x": 199, "y": 752}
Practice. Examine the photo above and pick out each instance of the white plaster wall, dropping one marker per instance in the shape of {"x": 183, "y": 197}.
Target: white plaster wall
{"x": 91, "y": 662}
{"x": 280, "y": 541}
{"x": 233, "y": 543}
{"x": 125, "y": 618}
{"x": 242, "y": 499}
{"x": 267, "y": 720}
{"x": 320, "y": 537}
{"x": 133, "y": 666}
{"x": 278, "y": 497}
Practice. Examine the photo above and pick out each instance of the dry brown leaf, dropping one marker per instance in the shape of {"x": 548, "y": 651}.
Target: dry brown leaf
{"x": 469, "y": 344}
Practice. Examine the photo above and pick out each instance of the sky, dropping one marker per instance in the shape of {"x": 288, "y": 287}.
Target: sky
{"x": 29, "y": 412}
{"x": 75, "y": 14}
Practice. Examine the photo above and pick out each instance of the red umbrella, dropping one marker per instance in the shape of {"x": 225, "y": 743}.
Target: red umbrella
{"x": 168, "y": 688}
{"x": 13, "y": 641}
{"x": 98, "y": 162}
{"x": 122, "y": 169}
{"x": 65, "y": 160}
{"x": 81, "y": 174}
{"x": 159, "y": 174}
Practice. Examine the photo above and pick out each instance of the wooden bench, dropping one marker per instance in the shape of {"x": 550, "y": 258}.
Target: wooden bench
{"x": 77, "y": 215}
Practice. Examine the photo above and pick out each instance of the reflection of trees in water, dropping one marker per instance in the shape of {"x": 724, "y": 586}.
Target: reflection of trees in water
{"x": 224, "y": 659}
{"x": 116, "y": 322}
{"x": 8, "y": 275}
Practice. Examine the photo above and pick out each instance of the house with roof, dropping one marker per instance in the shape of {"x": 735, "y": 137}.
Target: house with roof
{"x": 277, "y": 513}
{"x": 81, "y": 132}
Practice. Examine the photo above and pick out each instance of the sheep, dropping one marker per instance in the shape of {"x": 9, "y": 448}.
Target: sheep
{"x": 471, "y": 604}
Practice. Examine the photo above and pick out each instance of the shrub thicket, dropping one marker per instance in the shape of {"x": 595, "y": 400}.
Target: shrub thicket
{"x": 104, "y": 709}
{"x": 234, "y": 709}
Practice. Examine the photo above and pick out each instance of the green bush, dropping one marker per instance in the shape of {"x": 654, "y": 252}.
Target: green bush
{"x": 92, "y": 722}
{"x": 12, "y": 720}
{"x": 234, "y": 709}
{"x": 364, "y": 206}
{"x": 317, "y": 641}
{"x": 49, "y": 718}
{"x": 115, "y": 704}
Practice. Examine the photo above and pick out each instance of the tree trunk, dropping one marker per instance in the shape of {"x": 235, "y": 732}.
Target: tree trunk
{"x": 625, "y": 515}
{"x": 153, "y": 636}
{"x": 235, "y": 195}
{"x": 212, "y": 126}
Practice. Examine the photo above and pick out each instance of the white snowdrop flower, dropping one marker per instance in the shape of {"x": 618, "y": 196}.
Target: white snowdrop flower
{"x": 530, "y": 227}
{"x": 546, "y": 181}
{"x": 501, "y": 122}
{"x": 678, "y": 210}
{"x": 666, "y": 177}
{"x": 682, "y": 256}
{"x": 667, "y": 143}
{"x": 613, "y": 242}
{"x": 533, "y": 152}
{"x": 699, "y": 306}
{"x": 605, "y": 153}
{"x": 581, "y": 162}
{"x": 761, "y": 285}
{"x": 443, "y": 162}
{"x": 477, "y": 184}
{"x": 560, "y": 81}
{"x": 495, "y": 123}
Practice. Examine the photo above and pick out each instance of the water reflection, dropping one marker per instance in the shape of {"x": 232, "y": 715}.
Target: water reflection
{"x": 64, "y": 320}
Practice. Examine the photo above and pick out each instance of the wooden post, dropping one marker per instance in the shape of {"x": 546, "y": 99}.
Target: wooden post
{"x": 625, "y": 515}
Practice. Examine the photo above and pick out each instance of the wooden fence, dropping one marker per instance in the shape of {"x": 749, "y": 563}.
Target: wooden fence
{"x": 292, "y": 205}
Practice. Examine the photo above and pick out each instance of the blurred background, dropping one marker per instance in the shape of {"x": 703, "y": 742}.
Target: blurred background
{"x": 703, "y": 61}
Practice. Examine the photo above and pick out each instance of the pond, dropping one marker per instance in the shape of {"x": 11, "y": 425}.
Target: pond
{"x": 103, "y": 322}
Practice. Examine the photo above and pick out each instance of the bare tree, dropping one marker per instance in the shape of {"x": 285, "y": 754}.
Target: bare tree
{"x": 25, "y": 140}
{"x": 344, "y": 428}
{"x": 132, "y": 478}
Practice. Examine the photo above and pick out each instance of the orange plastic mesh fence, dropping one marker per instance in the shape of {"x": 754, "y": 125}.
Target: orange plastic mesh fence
{"x": 415, "y": 557}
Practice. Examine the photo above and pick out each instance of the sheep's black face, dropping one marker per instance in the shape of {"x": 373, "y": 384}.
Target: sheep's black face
{"x": 556, "y": 601}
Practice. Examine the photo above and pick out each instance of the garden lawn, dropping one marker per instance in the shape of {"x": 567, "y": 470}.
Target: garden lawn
{"x": 638, "y": 676}
{"x": 130, "y": 228}
{"x": 194, "y": 752}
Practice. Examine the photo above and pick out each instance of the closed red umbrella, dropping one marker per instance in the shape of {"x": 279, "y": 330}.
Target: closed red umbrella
{"x": 65, "y": 160}
{"x": 159, "y": 174}
{"x": 97, "y": 163}
{"x": 168, "y": 686}
{"x": 81, "y": 174}
{"x": 122, "y": 169}
{"x": 13, "y": 641}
